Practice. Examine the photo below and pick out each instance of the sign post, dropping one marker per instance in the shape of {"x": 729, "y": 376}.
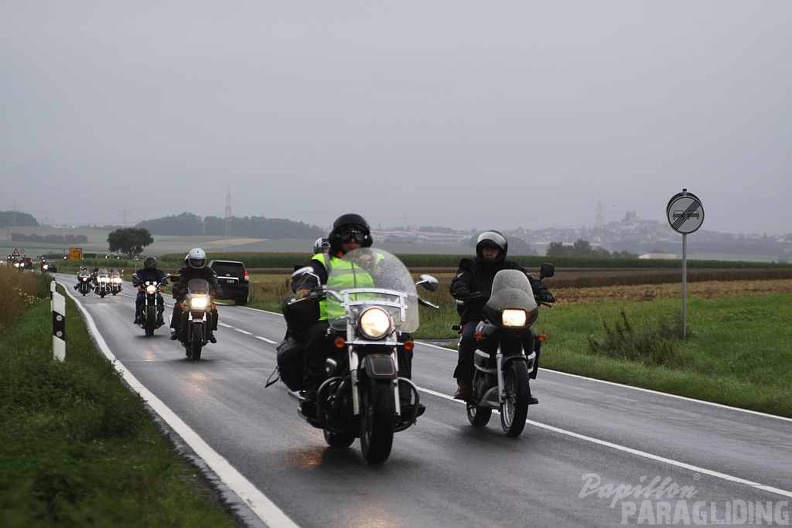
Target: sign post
{"x": 685, "y": 215}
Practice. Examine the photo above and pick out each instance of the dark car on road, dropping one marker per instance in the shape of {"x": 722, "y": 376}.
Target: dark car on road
{"x": 233, "y": 279}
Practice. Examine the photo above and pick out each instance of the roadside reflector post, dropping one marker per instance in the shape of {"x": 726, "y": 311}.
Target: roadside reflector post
{"x": 685, "y": 214}
{"x": 58, "y": 324}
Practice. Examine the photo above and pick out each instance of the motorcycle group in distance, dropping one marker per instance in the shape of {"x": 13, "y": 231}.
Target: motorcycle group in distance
{"x": 100, "y": 281}
{"x": 194, "y": 315}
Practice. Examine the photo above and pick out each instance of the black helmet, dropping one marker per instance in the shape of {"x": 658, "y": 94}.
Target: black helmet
{"x": 345, "y": 227}
{"x": 150, "y": 263}
{"x": 492, "y": 239}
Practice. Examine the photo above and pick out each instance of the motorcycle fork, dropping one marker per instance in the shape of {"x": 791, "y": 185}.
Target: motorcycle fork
{"x": 499, "y": 374}
{"x": 354, "y": 364}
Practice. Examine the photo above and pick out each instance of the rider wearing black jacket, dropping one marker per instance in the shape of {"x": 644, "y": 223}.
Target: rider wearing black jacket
{"x": 195, "y": 268}
{"x": 473, "y": 284}
{"x": 149, "y": 272}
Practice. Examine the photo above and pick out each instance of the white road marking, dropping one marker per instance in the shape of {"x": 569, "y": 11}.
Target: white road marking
{"x": 637, "y": 452}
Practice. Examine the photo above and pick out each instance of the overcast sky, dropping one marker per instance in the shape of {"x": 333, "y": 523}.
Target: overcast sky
{"x": 465, "y": 114}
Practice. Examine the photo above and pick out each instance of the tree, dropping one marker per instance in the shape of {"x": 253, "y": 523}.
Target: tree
{"x": 129, "y": 240}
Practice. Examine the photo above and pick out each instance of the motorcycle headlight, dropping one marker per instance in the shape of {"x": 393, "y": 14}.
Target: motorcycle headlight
{"x": 44, "y": 266}
{"x": 199, "y": 302}
{"x": 117, "y": 280}
{"x": 151, "y": 289}
{"x": 514, "y": 318}
{"x": 375, "y": 323}
{"x": 102, "y": 279}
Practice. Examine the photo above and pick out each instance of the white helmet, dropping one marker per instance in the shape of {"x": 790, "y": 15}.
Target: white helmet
{"x": 196, "y": 258}
{"x": 321, "y": 245}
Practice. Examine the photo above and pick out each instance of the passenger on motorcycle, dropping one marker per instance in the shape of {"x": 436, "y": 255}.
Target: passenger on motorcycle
{"x": 473, "y": 285}
{"x": 149, "y": 272}
{"x": 350, "y": 232}
{"x": 195, "y": 268}
{"x": 321, "y": 245}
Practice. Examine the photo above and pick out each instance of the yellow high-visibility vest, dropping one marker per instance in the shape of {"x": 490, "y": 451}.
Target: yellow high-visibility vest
{"x": 342, "y": 275}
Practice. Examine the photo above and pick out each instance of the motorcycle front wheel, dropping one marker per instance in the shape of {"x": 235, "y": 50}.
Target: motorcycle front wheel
{"x": 376, "y": 424}
{"x": 196, "y": 341}
{"x": 514, "y": 409}
{"x": 151, "y": 320}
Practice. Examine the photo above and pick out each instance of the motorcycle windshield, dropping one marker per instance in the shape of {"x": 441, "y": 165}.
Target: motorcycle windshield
{"x": 511, "y": 289}
{"x": 198, "y": 287}
{"x": 372, "y": 277}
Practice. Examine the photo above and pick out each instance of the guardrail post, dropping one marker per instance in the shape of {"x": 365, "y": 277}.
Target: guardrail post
{"x": 58, "y": 305}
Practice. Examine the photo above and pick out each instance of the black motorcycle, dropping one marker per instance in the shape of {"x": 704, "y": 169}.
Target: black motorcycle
{"x": 364, "y": 396}
{"x": 197, "y": 321}
{"x": 507, "y": 351}
{"x": 152, "y": 304}
{"x": 84, "y": 283}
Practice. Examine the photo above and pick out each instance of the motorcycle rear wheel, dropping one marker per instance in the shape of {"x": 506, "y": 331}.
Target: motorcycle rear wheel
{"x": 339, "y": 440}
{"x": 514, "y": 410}
{"x": 478, "y": 416}
{"x": 376, "y": 424}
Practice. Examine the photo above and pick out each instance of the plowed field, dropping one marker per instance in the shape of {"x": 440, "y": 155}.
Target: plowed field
{"x": 648, "y": 292}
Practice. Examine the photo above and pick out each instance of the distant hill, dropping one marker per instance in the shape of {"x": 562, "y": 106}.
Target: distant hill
{"x": 188, "y": 224}
{"x": 17, "y": 219}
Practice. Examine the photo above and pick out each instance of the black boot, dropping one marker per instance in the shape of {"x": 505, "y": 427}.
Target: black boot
{"x": 174, "y": 334}
{"x": 308, "y": 403}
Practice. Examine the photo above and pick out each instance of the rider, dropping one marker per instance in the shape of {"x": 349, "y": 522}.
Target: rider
{"x": 473, "y": 284}
{"x": 83, "y": 273}
{"x": 149, "y": 272}
{"x": 195, "y": 268}
{"x": 350, "y": 232}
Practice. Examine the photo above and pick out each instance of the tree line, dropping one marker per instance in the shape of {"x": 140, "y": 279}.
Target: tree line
{"x": 188, "y": 224}
{"x": 49, "y": 239}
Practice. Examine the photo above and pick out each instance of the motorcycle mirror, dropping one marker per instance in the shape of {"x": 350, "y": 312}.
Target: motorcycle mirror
{"x": 546, "y": 270}
{"x": 428, "y": 282}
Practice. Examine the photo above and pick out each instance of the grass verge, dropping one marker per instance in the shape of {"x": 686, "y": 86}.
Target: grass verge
{"x": 736, "y": 352}
{"x": 77, "y": 447}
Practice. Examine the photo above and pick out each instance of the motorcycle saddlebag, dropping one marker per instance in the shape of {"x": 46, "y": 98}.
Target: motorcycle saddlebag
{"x": 291, "y": 358}
{"x": 300, "y": 314}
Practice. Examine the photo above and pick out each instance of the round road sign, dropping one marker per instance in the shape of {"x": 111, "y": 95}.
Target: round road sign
{"x": 685, "y": 212}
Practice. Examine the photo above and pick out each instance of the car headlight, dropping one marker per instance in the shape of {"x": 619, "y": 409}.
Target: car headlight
{"x": 375, "y": 323}
{"x": 199, "y": 302}
{"x": 151, "y": 289}
{"x": 514, "y": 318}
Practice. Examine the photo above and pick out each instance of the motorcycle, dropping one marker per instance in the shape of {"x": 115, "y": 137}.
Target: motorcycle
{"x": 364, "y": 397}
{"x": 84, "y": 283}
{"x": 115, "y": 282}
{"x": 102, "y": 284}
{"x": 152, "y": 305}
{"x": 507, "y": 351}
{"x": 196, "y": 323}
